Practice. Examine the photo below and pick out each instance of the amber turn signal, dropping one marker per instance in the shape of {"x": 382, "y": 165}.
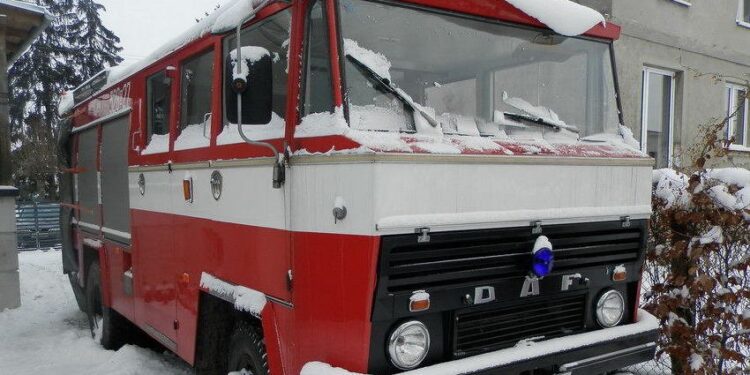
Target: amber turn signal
{"x": 619, "y": 274}
{"x": 187, "y": 189}
{"x": 419, "y": 301}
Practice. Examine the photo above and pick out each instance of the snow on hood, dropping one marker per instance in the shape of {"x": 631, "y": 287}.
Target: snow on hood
{"x": 563, "y": 16}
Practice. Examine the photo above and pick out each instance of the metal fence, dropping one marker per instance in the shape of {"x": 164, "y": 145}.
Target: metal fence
{"x": 38, "y": 225}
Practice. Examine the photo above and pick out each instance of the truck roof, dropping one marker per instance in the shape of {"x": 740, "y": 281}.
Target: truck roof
{"x": 563, "y": 16}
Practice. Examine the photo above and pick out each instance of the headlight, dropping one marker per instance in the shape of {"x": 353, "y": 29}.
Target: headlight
{"x": 409, "y": 344}
{"x": 610, "y": 309}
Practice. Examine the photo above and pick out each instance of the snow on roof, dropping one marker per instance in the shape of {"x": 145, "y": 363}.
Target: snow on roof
{"x": 563, "y": 16}
{"x": 220, "y": 21}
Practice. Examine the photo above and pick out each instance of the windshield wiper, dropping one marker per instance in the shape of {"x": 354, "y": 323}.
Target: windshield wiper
{"x": 539, "y": 121}
{"x": 389, "y": 87}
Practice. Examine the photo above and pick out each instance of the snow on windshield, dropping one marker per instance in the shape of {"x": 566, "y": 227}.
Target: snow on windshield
{"x": 563, "y": 16}
{"x": 455, "y": 70}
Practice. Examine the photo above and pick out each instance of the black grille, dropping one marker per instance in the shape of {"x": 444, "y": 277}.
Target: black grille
{"x": 482, "y": 256}
{"x": 498, "y": 328}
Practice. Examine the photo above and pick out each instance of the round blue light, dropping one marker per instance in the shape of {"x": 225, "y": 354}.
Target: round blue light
{"x": 542, "y": 260}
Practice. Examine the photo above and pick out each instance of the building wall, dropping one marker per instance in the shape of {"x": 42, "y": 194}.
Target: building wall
{"x": 696, "y": 42}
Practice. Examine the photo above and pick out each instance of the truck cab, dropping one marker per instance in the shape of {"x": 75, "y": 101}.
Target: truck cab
{"x": 356, "y": 186}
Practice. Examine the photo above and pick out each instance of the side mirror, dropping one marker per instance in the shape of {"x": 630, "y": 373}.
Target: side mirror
{"x": 256, "y": 92}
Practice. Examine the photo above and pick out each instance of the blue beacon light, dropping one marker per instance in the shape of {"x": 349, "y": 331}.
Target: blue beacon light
{"x": 542, "y": 257}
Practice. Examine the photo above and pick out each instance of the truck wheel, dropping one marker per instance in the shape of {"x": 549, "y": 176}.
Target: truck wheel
{"x": 105, "y": 323}
{"x": 77, "y": 292}
{"x": 247, "y": 353}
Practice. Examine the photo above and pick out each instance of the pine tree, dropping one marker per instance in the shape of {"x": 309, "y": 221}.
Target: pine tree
{"x": 98, "y": 46}
{"x": 72, "y": 49}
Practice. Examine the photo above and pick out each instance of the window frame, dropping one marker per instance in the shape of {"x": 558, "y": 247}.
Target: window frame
{"x": 224, "y": 46}
{"x": 165, "y": 71}
{"x": 740, "y": 13}
{"x": 647, "y": 70}
{"x": 730, "y": 97}
{"x": 209, "y": 49}
{"x": 683, "y": 3}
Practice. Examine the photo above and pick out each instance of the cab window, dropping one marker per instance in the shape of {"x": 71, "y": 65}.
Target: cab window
{"x": 271, "y": 34}
{"x": 196, "y": 94}
{"x": 158, "y": 92}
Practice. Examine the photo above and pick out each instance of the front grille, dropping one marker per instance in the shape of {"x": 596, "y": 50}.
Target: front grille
{"x": 473, "y": 257}
{"x": 493, "y": 329}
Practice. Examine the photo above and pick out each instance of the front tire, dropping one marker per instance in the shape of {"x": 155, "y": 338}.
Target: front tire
{"x": 106, "y": 322}
{"x": 247, "y": 352}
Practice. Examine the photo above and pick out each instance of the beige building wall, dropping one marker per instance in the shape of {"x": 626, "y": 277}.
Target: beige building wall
{"x": 698, "y": 43}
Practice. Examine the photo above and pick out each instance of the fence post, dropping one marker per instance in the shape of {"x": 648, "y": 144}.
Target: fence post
{"x": 36, "y": 226}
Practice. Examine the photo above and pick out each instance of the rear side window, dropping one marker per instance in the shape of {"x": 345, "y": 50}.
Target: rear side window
{"x": 196, "y": 94}
{"x": 158, "y": 91}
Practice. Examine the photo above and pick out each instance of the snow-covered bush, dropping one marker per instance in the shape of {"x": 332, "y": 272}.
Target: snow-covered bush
{"x": 696, "y": 273}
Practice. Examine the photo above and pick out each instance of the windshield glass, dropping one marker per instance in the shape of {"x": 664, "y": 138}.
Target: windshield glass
{"x": 471, "y": 75}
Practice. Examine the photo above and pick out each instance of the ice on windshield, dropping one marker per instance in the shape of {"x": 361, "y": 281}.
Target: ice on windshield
{"x": 455, "y": 69}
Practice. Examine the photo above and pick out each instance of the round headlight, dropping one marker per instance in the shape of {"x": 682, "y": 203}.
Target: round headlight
{"x": 610, "y": 309}
{"x": 409, "y": 344}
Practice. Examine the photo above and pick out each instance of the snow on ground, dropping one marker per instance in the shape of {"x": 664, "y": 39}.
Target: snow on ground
{"x": 48, "y": 334}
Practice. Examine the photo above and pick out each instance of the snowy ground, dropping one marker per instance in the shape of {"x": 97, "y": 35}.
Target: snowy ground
{"x": 48, "y": 334}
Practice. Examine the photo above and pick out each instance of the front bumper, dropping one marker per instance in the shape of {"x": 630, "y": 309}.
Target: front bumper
{"x": 587, "y": 353}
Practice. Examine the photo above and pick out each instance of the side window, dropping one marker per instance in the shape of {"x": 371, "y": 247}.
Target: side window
{"x": 196, "y": 94}
{"x": 272, "y": 35}
{"x": 158, "y": 92}
{"x": 318, "y": 90}
{"x": 737, "y": 113}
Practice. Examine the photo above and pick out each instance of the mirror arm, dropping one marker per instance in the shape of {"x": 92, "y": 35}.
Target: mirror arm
{"x": 278, "y": 164}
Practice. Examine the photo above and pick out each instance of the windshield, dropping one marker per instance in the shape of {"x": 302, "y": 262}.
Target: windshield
{"x": 471, "y": 75}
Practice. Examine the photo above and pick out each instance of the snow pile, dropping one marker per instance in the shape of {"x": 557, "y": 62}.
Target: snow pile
{"x": 234, "y": 13}
{"x": 273, "y": 130}
{"x": 373, "y": 60}
{"x": 322, "y": 124}
{"x": 563, "y": 16}
{"x": 249, "y": 55}
{"x": 670, "y": 186}
{"x": 627, "y": 135}
{"x": 193, "y": 136}
{"x": 67, "y": 102}
{"x": 729, "y": 188}
{"x": 48, "y": 334}
{"x": 245, "y": 299}
{"x": 94, "y": 244}
{"x": 544, "y": 113}
{"x": 696, "y": 362}
{"x": 319, "y": 368}
{"x": 159, "y": 143}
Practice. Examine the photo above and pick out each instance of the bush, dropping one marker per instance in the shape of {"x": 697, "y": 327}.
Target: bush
{"x": 696, "y": 273}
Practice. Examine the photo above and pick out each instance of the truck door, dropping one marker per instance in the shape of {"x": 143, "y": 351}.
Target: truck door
{"x": 152, "y": 220}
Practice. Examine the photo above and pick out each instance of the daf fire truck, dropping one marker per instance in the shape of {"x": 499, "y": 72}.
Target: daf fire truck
{"x": 363, "y": 186}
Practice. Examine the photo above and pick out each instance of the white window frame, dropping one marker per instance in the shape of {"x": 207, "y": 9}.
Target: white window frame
{"x": 644, "y": 109}
{"x": 731, "y": 106}
{"x": 740, "y": 13}
{"x": 682, "y": 2}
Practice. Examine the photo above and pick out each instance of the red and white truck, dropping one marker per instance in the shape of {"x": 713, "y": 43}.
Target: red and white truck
{"x": 381, "y": 187}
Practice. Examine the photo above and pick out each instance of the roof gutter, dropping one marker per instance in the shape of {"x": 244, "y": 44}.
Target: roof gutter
{"x": 32, "y": 8}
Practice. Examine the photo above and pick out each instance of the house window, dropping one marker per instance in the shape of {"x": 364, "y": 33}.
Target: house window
{"x": 743, "y": 13}
{"x": 737, "y": 114}
{"x": 657, "y": 118}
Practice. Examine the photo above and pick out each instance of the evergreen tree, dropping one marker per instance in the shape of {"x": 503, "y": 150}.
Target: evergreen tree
{"x": 71, "y": 50}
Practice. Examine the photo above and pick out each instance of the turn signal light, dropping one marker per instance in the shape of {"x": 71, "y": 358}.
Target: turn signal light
{"x": 619, "y": 274}
{"x": 419, "y": 301}
{"x": 187, "y": 189}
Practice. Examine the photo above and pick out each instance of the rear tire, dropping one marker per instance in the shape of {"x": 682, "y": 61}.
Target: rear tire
{"x": 78, "y": 292}
{"x": 247, "y": 351}
{"x": 101, "y": 318}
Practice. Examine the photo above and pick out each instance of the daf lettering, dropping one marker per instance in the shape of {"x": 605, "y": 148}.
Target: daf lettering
{"x": 484, "y": 294}
{"x": 530, "y": 287}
